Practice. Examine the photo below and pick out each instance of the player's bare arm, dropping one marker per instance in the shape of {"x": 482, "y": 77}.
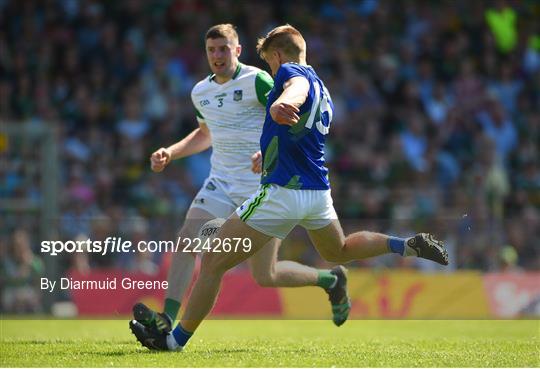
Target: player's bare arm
{"x": 285, "y": 109}
{"x": 198, "y": 140}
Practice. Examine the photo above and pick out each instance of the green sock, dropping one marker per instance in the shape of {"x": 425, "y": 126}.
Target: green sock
{"x": 171, "y": 308}
{"x": 325, "y": 279}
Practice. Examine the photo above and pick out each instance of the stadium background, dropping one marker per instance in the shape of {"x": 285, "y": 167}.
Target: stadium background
{"x": 436, "y": 128}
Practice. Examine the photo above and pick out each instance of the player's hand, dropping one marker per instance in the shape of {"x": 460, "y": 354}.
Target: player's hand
{"x": 160, "y": 159}
{"x": 284, "y": 113}
{"x": 256, "y": 162}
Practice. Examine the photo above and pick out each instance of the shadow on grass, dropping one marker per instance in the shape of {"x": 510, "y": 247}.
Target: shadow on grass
{"x": 30, "y": 342}
{"x": 225, "y": 351}
{"x": 121, "y": 353}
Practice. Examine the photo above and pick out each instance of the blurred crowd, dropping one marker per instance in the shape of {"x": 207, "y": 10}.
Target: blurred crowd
{"x": 436, "y": 125}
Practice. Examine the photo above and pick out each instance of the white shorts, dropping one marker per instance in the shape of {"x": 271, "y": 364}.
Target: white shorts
{"x": 275, "y": 210}
{"x": 220, "y": 198}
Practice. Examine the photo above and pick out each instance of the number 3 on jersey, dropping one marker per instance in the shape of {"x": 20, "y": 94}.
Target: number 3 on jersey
{"x": 220, "y": 102}
{"x": 321, "y": 105}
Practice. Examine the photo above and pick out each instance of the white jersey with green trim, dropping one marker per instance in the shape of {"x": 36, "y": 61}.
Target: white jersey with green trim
{"x": 234, "y": 113}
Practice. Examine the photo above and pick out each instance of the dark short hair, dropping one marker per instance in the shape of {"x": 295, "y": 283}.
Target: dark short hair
{"x": 226, "y": 30}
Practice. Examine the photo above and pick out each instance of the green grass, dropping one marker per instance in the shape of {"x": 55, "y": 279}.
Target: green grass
{"x": 275, "y": 343}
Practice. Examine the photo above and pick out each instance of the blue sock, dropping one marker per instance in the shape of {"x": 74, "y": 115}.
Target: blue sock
{"x": 396, "y": 245}
{"x": 181, "y": 336}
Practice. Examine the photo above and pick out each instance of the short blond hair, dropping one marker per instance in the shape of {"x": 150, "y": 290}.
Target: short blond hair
{"x": 283, "y": 38}
{"x": 225, "y": 30}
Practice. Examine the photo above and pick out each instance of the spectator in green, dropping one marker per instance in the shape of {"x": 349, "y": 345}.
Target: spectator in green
{"x": 502, "y": 21}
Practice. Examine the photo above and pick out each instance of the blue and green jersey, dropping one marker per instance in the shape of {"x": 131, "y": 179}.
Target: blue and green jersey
{"x": 293, "y": 156}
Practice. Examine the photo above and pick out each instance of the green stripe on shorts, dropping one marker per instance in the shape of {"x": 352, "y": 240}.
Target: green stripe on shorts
{"x": 255, "y": 203}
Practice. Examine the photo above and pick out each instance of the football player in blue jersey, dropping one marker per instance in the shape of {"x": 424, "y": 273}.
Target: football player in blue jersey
{"x": 294, "y": 188}
{"x": 230, "y": 106}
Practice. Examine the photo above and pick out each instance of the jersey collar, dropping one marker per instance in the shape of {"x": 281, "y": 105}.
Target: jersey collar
{"x": 235, "y": 74}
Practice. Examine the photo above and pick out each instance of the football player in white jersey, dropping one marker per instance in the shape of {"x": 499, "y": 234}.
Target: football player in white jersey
{"x": 230, "y": 107}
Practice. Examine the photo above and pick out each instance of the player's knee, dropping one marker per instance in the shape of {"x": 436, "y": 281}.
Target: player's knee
{"x": 188, "y": 231}
{"x": 213, "y": 263}
{"x": 186, "y": 235}
{"x": 264, "y": 279}
{"x": 365, "y": 236}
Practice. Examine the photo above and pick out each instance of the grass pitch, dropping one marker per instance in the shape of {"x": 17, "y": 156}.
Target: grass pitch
{"x": 277, "y": 343}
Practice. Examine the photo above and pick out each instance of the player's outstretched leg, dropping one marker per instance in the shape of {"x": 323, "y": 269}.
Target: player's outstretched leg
{"x": 335, "y": 247}
{"x": 337, "y": 294}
